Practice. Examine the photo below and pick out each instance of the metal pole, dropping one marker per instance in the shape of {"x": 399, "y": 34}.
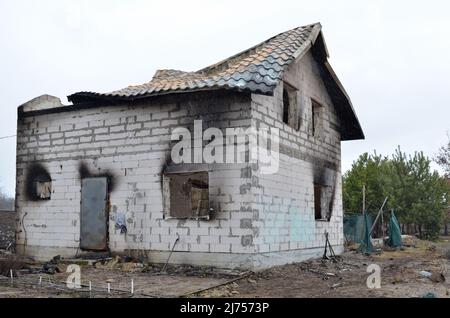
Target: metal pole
{"x": 364, "y": 199}
{"x": 171, "y": 252}
{"x": 378, "y": 215}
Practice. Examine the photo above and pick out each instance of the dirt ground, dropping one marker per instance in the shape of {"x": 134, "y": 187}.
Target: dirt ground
{"x": 348, "y": 277}
{"x": 345, "y": 278}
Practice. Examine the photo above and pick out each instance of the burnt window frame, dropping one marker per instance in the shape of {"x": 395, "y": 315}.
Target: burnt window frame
{"x": 290, "y": 106}
{"x": 316, "y": 118}
{"x": 321, "y": 212}
{"x": 40, "y": 185}
{"x": 318, "y": 201}
{"x": 167, "y": 196}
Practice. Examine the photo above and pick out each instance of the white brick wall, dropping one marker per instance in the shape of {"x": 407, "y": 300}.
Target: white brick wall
{"x": 285, "y": 201}
{"x": 131, "y": 143}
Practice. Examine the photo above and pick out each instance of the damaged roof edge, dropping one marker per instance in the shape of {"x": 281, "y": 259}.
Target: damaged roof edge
{"x": 83, "y": 97}
{"x": 92, "y": 102}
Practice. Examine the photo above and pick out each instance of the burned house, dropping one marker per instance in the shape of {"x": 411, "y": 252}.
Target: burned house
{"x": 99, "y": 175}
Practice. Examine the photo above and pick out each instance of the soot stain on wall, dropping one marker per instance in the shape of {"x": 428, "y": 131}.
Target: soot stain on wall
{"x": 85, "y": 172}
{"x": 327, "y": 177}
{"x": 36, "y": 172}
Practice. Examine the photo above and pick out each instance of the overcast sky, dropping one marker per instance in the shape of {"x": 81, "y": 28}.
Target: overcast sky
{"x": 391, "y": 56}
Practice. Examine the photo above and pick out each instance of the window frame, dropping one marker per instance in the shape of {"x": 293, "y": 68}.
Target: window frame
{"x": 167, "y": 197}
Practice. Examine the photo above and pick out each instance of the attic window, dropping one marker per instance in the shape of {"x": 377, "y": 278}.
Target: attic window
{"x": 285, "y": 106}
{"x": 186, "y": 195}
{"x": 316, "y": 119}
{"x": 290, "y": 106}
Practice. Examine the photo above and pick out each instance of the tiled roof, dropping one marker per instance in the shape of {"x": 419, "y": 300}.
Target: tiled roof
{"x": 257, "y": 70}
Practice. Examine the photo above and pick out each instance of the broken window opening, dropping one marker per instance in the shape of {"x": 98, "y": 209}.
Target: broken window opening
{"x": 43, "y": 190}
{"x": 316, "y": 118}
{"x": 290, "y": 106}
{"x": 186, "y": 195}
{"x": 317, "y": 202}
{"x": 285, "y": 106}
{"x": 323, "y": 207}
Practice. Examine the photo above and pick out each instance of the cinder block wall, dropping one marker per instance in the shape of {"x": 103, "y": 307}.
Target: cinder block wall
{"x": 284, "y": 202}
{"x": 131, "y": 144}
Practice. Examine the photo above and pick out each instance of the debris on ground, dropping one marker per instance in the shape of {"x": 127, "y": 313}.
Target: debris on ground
{"x": 425, "y": 274}
{"x": 398, "y": 277}
{"x": 409, "y": 240}
{"x": 437, "y": 277}
{"x": 51, "y": 267}
{"x": 413, "y": 272}
{"x": 196, "y": 271}
{"x": 447, "y": 253}
{"x": 123, "y": 263}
